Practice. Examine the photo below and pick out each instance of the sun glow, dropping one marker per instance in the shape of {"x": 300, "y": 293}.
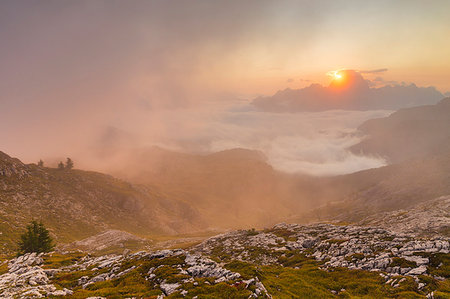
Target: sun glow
{"x": 335, "y": 75}
{"x": 340, "y": 79}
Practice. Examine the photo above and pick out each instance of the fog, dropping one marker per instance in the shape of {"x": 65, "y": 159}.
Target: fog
{"x": 109, "y": 83}
{"x": 97, "y": 80}
{"x": 308, "y": 143}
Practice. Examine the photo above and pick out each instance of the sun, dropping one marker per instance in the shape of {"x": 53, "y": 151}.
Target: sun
{"x": 337, "y": 76}
{"x": 340, "y": 79}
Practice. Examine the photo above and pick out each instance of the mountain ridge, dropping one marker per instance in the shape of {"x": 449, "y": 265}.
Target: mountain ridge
{"x": 75, "y": 204}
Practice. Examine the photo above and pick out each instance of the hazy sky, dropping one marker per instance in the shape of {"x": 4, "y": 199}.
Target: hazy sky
{"x": 70, "y": 68}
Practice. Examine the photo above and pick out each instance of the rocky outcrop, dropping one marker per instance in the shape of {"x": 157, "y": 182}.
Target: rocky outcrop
{"x": 353, "y": 247}
{"x": 10, "y": 167}
{"x": 106, "y": 239}
{"x": 26, "y": 279}
{"x": 426, "y": 219}
{"x": 398, "y": 258}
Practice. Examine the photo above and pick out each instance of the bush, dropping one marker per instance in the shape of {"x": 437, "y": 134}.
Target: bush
{"x": 35, "y": 239}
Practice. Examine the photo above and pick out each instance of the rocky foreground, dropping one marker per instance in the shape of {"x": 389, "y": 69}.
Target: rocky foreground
{"x": 248, "y": 264}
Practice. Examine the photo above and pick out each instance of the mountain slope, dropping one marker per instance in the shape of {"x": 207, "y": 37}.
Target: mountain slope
{"x": 232, "y": 189}
{"x": 237, "y": 188}
{"x": 408, "y": 133}
{"x": 75, "y": 204}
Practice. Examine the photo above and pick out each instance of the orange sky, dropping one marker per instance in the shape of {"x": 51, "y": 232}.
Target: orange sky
{"x": 68, "y": 66}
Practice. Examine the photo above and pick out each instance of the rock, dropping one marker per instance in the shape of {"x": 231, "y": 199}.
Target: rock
{"x": 101, "y": 277}
{"x": 417, "y": 259}
{"x": 126, "y": 252}
{"x": 32, "y": 293}
{"x": 83, "y": 280}
{"x": 63, "y": 292}
{"x": 169, "y": 288}
{"x": 418, "y": 271}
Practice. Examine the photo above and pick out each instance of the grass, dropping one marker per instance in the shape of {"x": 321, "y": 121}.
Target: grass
{"x": 3, "y": 267}
{"x": 402, "y": 263}
{"x": 58, "y": 260}
{"x": 294, "y": 276}
{"x": 439, "y": 264}
{"x": 308, "y": 281}
{"x": 287, "y": 235}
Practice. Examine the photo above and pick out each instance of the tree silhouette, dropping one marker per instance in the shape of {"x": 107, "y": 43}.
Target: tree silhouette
{"x": 61, "y": 165}
{"x": 40, "y": 163}
{"x": 35, "y": 239}
{"x": 69, "y": 163}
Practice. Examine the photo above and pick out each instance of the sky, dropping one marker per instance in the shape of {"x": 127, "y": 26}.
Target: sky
{"x": 71, "y": 70}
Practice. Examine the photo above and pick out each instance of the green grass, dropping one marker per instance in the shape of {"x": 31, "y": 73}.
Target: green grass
{"x": 58, "y": 260}
{"x": 310, "y": 282}
{"x": 294, "y": 276}
{"x": 401, "y": 262}
{"x": 3, "y": 267}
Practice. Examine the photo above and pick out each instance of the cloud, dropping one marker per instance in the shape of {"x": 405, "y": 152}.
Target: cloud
{"x": 373, "y": 71}
{"x": 350, "y": 91}
{"x": 310, "y": 143}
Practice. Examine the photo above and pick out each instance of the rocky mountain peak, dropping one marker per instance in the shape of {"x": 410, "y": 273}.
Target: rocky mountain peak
{"x": 12, "y": 166}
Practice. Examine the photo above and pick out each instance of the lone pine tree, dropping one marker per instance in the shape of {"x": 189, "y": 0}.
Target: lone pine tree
{"x": 35, "y": 239}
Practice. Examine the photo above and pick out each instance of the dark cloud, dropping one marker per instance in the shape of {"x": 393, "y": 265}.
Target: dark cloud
{"x": 350, "y": 92}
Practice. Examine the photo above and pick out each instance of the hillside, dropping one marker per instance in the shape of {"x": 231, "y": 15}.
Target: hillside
{"x": 238, "y": 188}
{"x": 394, "y": 187}
{"x": 75, "y": 204}
{"x": 231, "y": 189}
{"x": 408, "y": 133}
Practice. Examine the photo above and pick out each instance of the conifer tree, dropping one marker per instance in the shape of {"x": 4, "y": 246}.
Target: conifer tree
{"x": 35, "y": 239}
{"x": 69, "y": 163}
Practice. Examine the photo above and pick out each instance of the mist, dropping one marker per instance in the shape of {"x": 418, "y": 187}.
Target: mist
{"x": 97, "y": 80}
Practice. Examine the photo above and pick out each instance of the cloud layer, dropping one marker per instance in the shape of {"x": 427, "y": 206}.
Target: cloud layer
{"x": 307, "y": 143}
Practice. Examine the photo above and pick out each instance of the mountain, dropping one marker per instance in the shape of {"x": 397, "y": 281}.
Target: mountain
{"x": 348, "y": 91}
{"x": 231, "y": 189}
{"x": 75, "y": 204}
{"x": 416, "y": 141}
{"x": 355, "y": 196}
{"x": 238, "y": 188}
{"x": 408, "y": 133}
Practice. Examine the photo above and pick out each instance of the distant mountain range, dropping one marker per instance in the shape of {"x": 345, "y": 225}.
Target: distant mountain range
{"x": 348, "y": 92}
